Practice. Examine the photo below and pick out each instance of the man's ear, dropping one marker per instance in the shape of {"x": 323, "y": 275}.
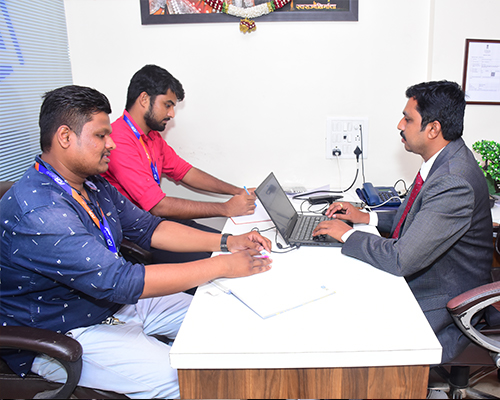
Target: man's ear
{"x": 434, "y": 129}
{"x": 144, "y": 100}
{"x": 63, "y": 136}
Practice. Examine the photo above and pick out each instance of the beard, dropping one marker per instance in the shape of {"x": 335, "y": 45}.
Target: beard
{"x": 152, "y": 122}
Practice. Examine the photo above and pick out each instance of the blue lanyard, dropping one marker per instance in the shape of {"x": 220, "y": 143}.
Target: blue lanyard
{"x": 154, "y": 170}
{"x": 104, "y": 227}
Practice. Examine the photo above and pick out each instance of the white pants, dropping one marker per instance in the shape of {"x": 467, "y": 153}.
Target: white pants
{"x": 124, "y": 358}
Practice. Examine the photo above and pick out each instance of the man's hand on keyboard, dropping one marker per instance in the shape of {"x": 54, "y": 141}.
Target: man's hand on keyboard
{"x": 333, "y": 227}
{"x": 347, "y": 212}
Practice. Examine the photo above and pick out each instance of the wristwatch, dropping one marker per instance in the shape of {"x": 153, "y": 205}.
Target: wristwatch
{"x": 223, "y": 242}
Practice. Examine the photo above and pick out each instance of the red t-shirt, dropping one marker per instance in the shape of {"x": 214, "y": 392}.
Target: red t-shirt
{"x": 130, "y": 170}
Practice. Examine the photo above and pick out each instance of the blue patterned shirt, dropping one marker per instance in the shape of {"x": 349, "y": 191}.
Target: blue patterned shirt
{"x": 56, "y": 270}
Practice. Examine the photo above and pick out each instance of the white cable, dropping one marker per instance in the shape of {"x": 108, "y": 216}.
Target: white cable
{"x": 385, "y": 202}
{"x": 340, "y": 174}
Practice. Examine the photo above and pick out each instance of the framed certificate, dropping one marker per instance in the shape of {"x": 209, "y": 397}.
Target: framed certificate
{"x": 481, "y": 80}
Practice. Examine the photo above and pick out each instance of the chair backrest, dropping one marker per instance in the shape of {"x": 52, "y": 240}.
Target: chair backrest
{"x": 4, "y": 187}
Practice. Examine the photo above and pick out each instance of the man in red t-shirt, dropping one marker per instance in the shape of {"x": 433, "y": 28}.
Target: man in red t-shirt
{"x": 142, "y": 155}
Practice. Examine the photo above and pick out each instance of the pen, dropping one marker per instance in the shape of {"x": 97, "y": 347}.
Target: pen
{"x": 246, "y": 190}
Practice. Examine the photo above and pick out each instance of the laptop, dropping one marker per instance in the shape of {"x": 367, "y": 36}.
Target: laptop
{"x": 295, "y": 229}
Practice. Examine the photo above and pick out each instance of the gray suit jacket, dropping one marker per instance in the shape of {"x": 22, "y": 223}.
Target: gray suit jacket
{"x": 445, "y": 243}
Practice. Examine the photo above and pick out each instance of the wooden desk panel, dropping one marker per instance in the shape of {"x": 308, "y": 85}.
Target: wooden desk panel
{"x": 401, "y": 382}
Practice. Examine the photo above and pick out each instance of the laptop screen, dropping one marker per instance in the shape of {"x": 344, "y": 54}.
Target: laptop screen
{"x": 277, "y": 205}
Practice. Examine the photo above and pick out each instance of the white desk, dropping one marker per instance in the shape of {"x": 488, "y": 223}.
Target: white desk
{"x": 372, "y": 320}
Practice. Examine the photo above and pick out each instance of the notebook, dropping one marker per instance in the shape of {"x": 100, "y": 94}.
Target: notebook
{"x": 285, "y": 287}
{"x": 295, "y": 229}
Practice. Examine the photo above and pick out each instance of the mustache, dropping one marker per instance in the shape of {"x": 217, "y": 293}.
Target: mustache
{"x": 402, "y": 135}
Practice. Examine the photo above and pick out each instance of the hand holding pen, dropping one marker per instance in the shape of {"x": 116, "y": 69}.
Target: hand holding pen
{"x": 241, "y": 204}
{"x": 253, "y": 193}
{"x": 263, "y": 254}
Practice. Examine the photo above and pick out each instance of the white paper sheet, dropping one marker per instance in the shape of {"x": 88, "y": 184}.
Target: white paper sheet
{"x": 280, "y": 289}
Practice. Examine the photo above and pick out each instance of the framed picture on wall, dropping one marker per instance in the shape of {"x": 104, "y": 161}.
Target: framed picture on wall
{"x": 202, "y": 11}
{"x": 481, "y": 80}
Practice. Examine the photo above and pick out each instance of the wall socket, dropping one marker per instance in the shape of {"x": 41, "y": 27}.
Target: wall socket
{"x": 343, "y": 135}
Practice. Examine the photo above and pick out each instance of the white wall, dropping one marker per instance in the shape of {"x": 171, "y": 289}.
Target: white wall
{"x": 258, "y": 102}
{"x": 455, "y": 22}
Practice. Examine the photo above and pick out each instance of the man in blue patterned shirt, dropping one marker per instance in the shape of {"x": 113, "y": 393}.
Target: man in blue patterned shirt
{"x": 61, "y": 227}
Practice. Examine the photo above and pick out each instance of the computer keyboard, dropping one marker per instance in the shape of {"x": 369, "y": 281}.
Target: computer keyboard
{"x": 307, "y": 225}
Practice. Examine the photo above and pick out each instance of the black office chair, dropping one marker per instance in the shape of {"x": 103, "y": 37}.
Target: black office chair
{"x": 482, "y": 356}
{"x": 63, "y": 348}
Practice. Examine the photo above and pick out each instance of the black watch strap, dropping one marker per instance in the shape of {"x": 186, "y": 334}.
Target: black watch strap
{"x": 223, "y": 242}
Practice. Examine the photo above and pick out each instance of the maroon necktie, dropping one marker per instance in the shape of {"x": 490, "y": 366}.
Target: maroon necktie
{"x": 416, "y": 188}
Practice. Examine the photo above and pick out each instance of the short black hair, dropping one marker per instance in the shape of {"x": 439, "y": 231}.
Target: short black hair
{"x": 155, "y": 81}
{"x": 71, "y": 105}
{"x": 441, "y": 101}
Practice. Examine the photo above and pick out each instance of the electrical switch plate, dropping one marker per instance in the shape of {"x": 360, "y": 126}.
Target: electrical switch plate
{"x": 343, "y": 135}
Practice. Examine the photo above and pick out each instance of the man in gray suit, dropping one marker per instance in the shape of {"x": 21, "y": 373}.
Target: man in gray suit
{"x": 442, "y": 243}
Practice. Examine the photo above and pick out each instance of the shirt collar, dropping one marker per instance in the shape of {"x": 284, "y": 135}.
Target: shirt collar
{"x": 144, "y": 135}
{"x": 427, "y": 165}
{"x": 87, "y": 182}
{"x": 39, "y": 160}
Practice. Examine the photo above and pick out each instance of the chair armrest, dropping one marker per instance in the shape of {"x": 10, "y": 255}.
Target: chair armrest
{"x": 43, "y": 341}
{"x": 127, "y": 248}
{"x": 58, "y": 346}
{"x": 465, "y": 306}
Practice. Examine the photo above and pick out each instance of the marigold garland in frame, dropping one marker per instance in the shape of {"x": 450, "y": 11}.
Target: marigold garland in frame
{"x": 247, "y": 24}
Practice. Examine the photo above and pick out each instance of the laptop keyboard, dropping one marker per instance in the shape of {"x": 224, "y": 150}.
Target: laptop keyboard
{"x": 306, "y": 225}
